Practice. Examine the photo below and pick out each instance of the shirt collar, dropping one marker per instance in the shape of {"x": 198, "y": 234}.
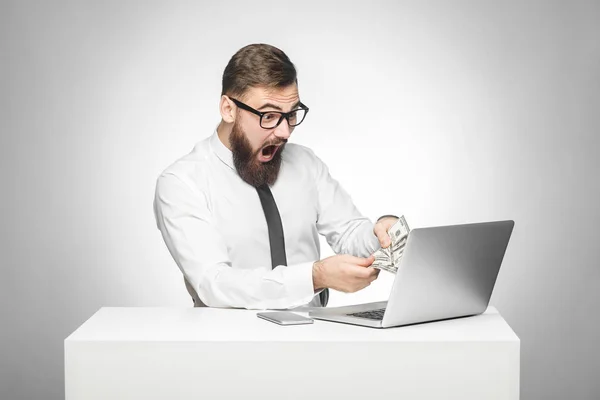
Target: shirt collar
{"x": 221, "y": 150}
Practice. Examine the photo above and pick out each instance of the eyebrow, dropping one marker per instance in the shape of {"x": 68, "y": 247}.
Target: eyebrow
{"x": 269, "y": 105}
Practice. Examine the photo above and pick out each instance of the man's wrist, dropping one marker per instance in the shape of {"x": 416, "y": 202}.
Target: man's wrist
{"x": 317, "y": 274}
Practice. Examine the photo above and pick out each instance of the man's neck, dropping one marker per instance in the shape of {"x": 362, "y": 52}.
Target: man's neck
{"x": 223, "y": 131}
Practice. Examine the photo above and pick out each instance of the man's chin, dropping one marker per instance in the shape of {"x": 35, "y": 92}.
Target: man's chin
{"x": 248, "y": 163}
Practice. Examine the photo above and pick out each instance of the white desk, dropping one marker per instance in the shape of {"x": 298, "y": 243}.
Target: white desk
{"x": 204, "y": 353}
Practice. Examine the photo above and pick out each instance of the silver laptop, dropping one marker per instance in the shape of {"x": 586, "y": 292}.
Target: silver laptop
{"x": 445, "y": 272}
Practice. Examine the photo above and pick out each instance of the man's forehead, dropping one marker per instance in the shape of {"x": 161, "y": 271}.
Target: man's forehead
{"x": 278, "y": 98}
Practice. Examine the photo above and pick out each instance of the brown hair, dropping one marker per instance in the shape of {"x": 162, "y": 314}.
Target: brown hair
{"x": 257, "y": 65}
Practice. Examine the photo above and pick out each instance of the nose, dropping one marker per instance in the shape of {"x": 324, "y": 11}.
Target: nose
{"x": 283, "y": 130}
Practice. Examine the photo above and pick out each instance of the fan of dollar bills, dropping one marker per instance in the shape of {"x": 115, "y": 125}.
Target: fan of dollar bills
{"x": 389, "y": 258}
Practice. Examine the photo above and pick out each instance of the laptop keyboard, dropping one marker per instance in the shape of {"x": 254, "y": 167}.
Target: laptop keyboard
{"x": 372, "y": 314}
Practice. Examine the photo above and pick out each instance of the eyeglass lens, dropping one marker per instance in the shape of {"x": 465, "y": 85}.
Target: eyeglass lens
{"x": 270, "y": 119}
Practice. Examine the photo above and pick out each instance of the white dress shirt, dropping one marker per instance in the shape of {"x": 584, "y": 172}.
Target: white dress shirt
{"x": 214, "y": 226}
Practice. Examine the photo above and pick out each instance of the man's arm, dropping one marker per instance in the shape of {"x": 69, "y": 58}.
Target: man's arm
{"x": 185, "y": 221}
{"x": 347, "y": 231}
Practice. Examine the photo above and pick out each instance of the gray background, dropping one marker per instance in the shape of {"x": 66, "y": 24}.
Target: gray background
{"x": 462, "y": 111}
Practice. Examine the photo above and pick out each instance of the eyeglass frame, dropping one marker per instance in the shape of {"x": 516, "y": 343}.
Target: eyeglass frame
{"x": 283, "y": 115}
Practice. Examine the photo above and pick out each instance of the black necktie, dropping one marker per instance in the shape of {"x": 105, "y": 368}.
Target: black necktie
{"x": 276, "y": 238}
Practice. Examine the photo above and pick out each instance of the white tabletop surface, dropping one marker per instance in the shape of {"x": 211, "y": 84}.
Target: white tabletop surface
{"x": 238, "y": 325}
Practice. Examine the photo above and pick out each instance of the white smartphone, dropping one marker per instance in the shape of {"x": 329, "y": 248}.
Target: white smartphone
{"x": 284, "y": 318}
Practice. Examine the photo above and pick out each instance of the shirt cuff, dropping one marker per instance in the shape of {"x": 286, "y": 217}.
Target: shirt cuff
{"x": 388, "y": 215}
{"x": 298, "y": 280}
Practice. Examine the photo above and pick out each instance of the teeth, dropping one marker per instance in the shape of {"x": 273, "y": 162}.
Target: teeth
{"x": 267, "y": 151}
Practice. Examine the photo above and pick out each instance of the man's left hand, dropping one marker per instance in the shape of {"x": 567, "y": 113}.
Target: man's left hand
{"x": 381, "y": 230}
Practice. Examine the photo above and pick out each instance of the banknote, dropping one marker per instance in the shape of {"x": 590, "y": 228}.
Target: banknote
{"x": 399, "y": 230}
{"x": 388, "y": 259}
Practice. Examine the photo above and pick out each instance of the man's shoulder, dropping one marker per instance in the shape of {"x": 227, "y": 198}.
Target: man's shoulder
{"x": 299, "y": 152}
{"x": 190, "y": 167}
{"x": 305, "y": 157}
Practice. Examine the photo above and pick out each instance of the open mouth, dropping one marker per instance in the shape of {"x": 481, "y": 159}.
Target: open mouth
{"x": 268, "y": 152}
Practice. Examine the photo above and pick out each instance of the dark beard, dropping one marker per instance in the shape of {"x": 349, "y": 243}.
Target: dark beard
{"x": 246, "y": 163}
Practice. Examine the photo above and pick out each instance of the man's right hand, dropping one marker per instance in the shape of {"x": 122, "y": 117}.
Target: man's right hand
{"x": 344, "y": 273}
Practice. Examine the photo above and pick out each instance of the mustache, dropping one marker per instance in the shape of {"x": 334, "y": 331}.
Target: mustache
{"x": 284, "y": 141}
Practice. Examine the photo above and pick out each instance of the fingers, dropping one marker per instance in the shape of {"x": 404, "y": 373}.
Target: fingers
{"x": 368, "y": 261}
{"x": 363, "y": 273}
{"x": 374, "y": 273}
{"x": 363, "y": 283}
{"x": 358, "y": 279}
{"x": 374, "y": 276}
{"x": 361, "y": 261}
{"x": 354, "y": 273}
{"x": 380, "y": 231}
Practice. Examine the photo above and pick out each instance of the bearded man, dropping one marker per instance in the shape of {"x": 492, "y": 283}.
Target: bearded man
{"x": 242, "y": 213}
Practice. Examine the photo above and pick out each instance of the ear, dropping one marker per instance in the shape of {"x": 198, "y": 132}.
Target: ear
{"x": 227, "y": 109}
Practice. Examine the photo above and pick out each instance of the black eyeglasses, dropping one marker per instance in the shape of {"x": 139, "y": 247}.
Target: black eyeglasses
{"x": 272, "y": 119}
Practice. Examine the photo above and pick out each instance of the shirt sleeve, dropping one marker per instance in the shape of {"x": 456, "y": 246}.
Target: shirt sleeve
{"x": 346, "y": 230}
{"x": 184, "y": 219}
